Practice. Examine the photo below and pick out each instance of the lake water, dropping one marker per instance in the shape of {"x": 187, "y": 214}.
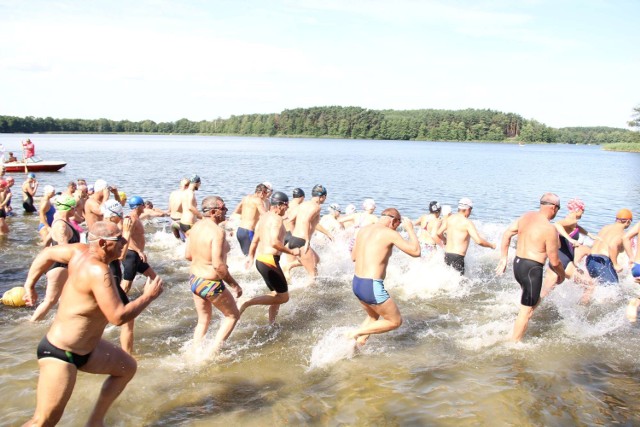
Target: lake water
{"x": 449, "y": 364}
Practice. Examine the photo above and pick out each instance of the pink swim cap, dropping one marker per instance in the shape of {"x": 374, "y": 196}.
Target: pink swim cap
{"x": 575, "y": 205}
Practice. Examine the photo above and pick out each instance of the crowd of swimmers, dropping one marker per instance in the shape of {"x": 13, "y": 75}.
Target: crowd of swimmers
{"x": 93, "y": 252}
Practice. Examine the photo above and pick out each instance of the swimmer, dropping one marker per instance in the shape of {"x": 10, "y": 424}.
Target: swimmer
{"x": 207, "y": 249}
{"x": 602, "y": 263}
{"x": 537, "y": 242}
{"x": 4, "y": 199}
{"x": 250, "y": 208}
{"x": 428, "y": 225}
{"x": 568, "y": 232}
{"x": 371, "y": 253}
{"x": 46, "y": 211}
{"x": 9, "y": 195}
{"x": 92, "y": 212}
{"x": 152, "y": 212}
{"x": 175, "y": 208}
{"x": 189, "y": 203}
{"x": 62, "y": 233}
{"x": 135, "y": 261}
{"x": 307, "y": 222}
{"x": 330, "y": 221}
{"x": 268, "y": 243}
{"x": 460, "y": 230}
{"x": 290, "y": 218}
{"x": 74, "y": 341}
{"x": 29, "y": 190}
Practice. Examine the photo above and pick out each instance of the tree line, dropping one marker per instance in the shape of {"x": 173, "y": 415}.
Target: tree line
{"x": 347, "y": 123}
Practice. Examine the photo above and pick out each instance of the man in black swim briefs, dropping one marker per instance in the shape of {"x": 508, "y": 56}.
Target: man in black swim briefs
{"x": 268, "y": 243}
{"x": 89, "y": 302}
{"x": 537, "y": 241}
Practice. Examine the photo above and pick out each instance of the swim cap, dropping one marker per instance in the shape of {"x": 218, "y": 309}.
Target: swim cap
{"x": 100, "y": 185}
{"x": 350, "y": 209}
{"x": 31, "y": 175}
{"x": 90, "y": 188}
{"x": 268, "y": 185}
{"x": 3, "y": 183}
{"x": 318, "y": 191}
{"x": 111, "y": 208}
{"x": 135, "y": 202}
{"x": 123, "y": 196}
{"x": 434, "y": 207}
{"x": 465, "y": 203}
{"x": 335, "y": 207}
{"x": 194, "y": 179}
{"x": 279, "y": 198}
{"x": 446, "y": 210}
{"x": 65, "y": 203}
{"x": 368, "y": 204}
{"x": 624, "y": 214}
{"x": 48, "y": 189}
{"x": 297, "y": 193}
{"x": 575, "y": 205}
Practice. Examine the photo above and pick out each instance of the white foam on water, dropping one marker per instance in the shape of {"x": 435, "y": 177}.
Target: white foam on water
{"x": 332, "y": 347}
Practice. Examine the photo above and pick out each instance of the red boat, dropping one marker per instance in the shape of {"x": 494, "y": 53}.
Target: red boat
{"x": 34, "y": 164}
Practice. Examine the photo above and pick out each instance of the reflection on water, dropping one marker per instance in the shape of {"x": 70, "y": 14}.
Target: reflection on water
{"x": 449, "y": 364}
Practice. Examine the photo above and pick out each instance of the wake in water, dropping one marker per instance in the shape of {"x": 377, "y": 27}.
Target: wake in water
{"x": 332, "y": 347}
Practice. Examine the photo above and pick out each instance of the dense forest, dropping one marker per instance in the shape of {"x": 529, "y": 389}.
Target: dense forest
{"x": 346, "y": 122}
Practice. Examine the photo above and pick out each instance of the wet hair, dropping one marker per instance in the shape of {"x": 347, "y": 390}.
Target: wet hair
{"x": 148, "y": 204}
{"x": 261, "y": 188}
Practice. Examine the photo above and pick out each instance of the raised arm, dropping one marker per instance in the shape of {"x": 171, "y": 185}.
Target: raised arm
{"x": 411, "y": 246}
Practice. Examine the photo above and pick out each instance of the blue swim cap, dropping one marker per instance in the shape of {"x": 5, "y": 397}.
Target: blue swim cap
{"x": 135, "y": 201}
{"x": 194, "y": 179}
{"x": 31, "y": 175}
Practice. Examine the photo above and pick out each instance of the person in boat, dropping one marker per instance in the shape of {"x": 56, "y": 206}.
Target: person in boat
{"x": 602, "y": 262}
{"x": 250, "y": 208}
{"x": 46, "y": 212}
{"x": 12, "y": 158}
{"x": 460, "y": 230}
{"x": 62, "y": 233}
{"x": 371, "y": 251}
{"x": 207, "y": 249}
{"x": 190, "y": 212}
{"x": 74, "y": 341}
{"x": 537, "y": 242}
{"x": 29, "y": 149}
{"x": 428, "y": 225}
{"x": 29, "y": 190}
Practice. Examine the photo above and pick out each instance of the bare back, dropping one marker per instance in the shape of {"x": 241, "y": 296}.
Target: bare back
{"x": 188, "y": 204}
{"x": 372, "y": 251}
{"x": 537, "y": 238}
{"x": 252, "y": 208}
{"x": 207, "y": 246}
{"x": 307, "y": 219}
{"x": 175, "y": 204}
{"x": 610, "y": 238}
{"x": 458, "y": 234}
{"x": 269, "y": 230}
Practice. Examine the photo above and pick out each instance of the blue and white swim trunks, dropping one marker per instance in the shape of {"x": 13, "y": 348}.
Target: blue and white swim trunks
{"x": 370, "y": 291}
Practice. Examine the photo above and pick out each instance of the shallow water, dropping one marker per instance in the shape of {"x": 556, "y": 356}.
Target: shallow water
{"x": 449, "y": 363}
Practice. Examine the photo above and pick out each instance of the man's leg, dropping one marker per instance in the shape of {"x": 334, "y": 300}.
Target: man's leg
{"x": 382, "y": 318}
{"x": 227, "y": 306}
{"x": 55, "y": 385}
{"x": 203, "y": 309}
{"x": 108, "y": 359}
{"x": 522, "y": 322}
{"x": 272, "y": 299}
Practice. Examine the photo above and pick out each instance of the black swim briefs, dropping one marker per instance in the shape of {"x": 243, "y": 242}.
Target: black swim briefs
{"x": 528, "y": 274}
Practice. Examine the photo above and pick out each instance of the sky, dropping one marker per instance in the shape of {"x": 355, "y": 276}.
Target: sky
{"x": 560, "y": 62}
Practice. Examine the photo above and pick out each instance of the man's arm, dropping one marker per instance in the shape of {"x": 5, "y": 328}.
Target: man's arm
{"x": 411, "y": 246}
{"x": 552, "y": 246}
{"x": 511, "y": 231}
{"x": 218, "y": 261}
{"x": 614, "y": 252}
{"x": 473, "y": 232}
{"x": 627, "y": 242}
{"x": 442, "y": 229}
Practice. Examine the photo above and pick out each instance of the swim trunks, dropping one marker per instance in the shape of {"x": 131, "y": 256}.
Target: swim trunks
{"x": 28, "y": 203}
{"x": 369, "y": 291}
{"x": 205, "y": 288}
{"x": 244, "y": 237}
{"x": 269, "y": 268}
{"x": 3, "y": 213}
{"x": 456, "y": 261}
{"x": 75, "y": 238}
{"x": 566, "y": 251}
{"x": 185, "y": 227}
{"x": 635, "y": 270}
{"x": 46, "y": 349}
{"x": 116, "y": 271}
{"x": 287, "y": 237}
{"x": 177, "y": 231}
{"x": 600, "y": 267}
{"x": 133, "y": 264}
{"x": 528, "y": 274}
{"x": 296, "y": 242}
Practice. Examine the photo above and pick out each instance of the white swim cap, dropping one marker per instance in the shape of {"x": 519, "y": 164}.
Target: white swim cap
{"x": 111, "y": 208}
{"x": 369, "y": 204}
{"x": 465, "y": 203}
{"x": 446, "y": 210}
{"x": 48, "y": 189}
{"x": 100, "y": 185}
{"x": 268, "y": 185}
{"x": 335, "y": 207}
{"x": 350, "y": 209}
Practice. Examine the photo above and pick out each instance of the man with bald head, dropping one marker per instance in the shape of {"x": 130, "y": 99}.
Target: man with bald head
{"x": 537, "y": 241}
{"x": 74, "y": 342}
{"x": 371, "y": 251}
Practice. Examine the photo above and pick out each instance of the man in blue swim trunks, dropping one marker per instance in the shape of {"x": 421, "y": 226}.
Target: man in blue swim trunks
{"x": 602, "y": 263}
{"x": 74, "y": 342}
{"x": 250, "y": 209}
{"x": 371, "y": 253}
{"x": 537, "y": 241}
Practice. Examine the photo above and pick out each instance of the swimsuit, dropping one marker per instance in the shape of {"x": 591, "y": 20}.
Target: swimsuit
{"x": 244, "y": 237}
{"x": 205, "y": 288}
{"x": 456, "y": 261}
{"x": 133, "y": 264}
{"x": 74, "y": 239}
{"x": 3, "y": 213}
{"x": 528, "y": 274}
{"x": 635, "y": 270}
{"x": 296, "y": 242}
{"x": 28, "y": 203}
{"x": 600, "y": 267}
{"x": 370, "y": 291}
{"x": 116, "y": 272}
{"x": 185, "y": 227}
{"x": 46, "y": 349}
{"x": 269, "y": 268}
{"x": 566, "y": 251}
{"x": 49, "y": 217}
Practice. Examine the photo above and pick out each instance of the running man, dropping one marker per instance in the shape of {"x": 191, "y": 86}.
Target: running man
{"x": 292, "y": 212}
{"x": 306, "y": 223}
{"x": 371, "y": 253}
{"x": 250, "y": 208}
{"x": 428, "y": 225}
{"x": 175, "y": 208}
{"x": 602, "y": 263}
{"x": 207, "y": 249}
{"x": 268, "y": 243}
{"x": 460, "y": 230}
{"x": 74, "y": 342}
{"x": 190, "y": 212}
{"x": 537, "y": 242}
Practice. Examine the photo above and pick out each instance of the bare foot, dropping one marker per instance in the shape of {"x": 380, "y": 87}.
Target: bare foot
{"x": 362, "y": 340}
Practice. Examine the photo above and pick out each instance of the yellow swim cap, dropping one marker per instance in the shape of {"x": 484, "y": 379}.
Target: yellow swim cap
{"x": 13, "y": 297}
